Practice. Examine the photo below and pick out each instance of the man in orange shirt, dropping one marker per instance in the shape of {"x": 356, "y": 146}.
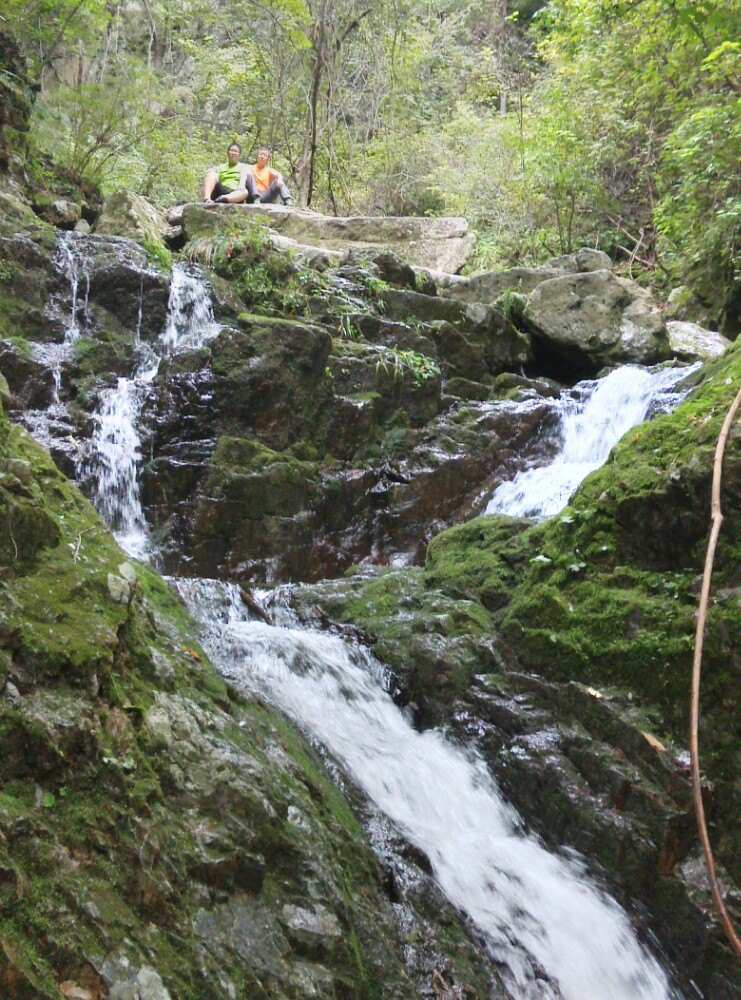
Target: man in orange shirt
{"x": 264, "y": 183}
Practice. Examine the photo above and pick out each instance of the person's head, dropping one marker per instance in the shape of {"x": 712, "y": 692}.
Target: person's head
{"x": 263, "y": 157}
{"x": 233, "y": 153}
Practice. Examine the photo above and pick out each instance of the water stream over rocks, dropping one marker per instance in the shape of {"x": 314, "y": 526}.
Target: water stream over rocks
{"x": 550, "y": 928}
{"x": 113, "y": 457}
{"x": 593, "y": 416}
{"x": 71, "y": 262}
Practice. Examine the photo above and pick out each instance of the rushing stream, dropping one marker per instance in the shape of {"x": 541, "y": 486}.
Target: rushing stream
{"x": 553, "y": 932}
{"x": 593, "y": 416}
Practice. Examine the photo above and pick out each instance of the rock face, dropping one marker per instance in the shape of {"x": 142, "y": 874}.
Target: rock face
{"x": 16, "y": 102}
{"x": 489, "y": 286}
{"x": 127, "y": 214}
{"x": 438, "y": 244}
{"x": 332, "y": 420}
{"x": 560, "y": 650}
{"x": 595, "y": 319}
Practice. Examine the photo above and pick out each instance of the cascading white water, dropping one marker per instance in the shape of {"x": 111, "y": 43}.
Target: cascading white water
{"x": 69, "y": 258}
{"x": 190, "y": 315}
{"x": 115, "y": 458}
{"x": 115, "y": 448}
{"x": 594, "y": 416}
{"x": 538, "y": 911}
{"x": 71, "y": 261}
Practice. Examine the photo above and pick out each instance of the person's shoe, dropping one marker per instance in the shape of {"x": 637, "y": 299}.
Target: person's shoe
{"x": 287, "y": 201}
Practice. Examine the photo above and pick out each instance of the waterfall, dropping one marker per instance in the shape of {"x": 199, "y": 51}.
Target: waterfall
{"x": 554, "y": 933}
{"x": 114, "y": 454}
{"x": 594, "y": 415}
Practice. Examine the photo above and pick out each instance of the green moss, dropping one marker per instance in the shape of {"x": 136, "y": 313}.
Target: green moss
{"x": 606, "y": 592}
{"x": 433, "y": 642}
{"x": 108, "y": 352}
{"x": 159, "y": 254}
{"x": 246, "y": 453}
{"x": 20, "y": 318}
{"x": 481, "y": 559}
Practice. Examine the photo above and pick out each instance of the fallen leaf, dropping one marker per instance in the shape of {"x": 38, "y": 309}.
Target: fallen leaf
{"x": 652, "y": 741}
{"x": 70, "y": 989}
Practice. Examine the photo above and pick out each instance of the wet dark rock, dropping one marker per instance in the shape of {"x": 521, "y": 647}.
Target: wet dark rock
{"x": 392, "y": 333}
{"x": 502, "y": 345}
{"x": 130, "y": 291}
{"x": 519, "y": 388}
{"x": 26, "y": 284}
{"x": 29, "y": 380}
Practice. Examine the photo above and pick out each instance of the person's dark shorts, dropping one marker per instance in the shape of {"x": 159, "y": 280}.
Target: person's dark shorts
{"x": 219, "y": 191}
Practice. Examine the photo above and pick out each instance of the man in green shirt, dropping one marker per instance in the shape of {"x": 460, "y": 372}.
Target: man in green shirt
{"x": 227, "y": 182}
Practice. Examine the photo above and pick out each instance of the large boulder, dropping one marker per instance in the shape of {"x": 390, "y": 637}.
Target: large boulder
{"x": 595, "y": 319}
{"x": 127, "y": 214}
{"x": 484, "y": 328}
{"x": 487, "y": 287}
{"x": 438, "y": 244}
{"x": 691, "y": 342}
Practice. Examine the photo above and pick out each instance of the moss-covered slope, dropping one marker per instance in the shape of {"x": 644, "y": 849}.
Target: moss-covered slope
{"x": 606, "y": 592}
{"x": 155, "y": 827}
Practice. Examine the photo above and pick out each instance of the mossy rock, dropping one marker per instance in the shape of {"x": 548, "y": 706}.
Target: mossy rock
{"x": 154, "y": 824}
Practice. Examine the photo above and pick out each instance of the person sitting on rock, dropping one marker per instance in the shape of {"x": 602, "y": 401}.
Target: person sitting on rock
{"x": 227, "y": 183}
{"x": 264, "y": 183}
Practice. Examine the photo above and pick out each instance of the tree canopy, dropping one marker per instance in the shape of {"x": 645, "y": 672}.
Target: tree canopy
{"x": 613, "y": 123}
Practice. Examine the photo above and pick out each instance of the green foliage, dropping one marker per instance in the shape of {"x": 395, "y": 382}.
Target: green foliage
{"x": 159, "y": 254}
{"x": 606, "y": 123}
{"x": 402, "y": 365}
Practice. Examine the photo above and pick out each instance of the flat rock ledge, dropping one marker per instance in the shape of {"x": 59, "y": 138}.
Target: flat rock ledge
{"x": 435, "y": 244}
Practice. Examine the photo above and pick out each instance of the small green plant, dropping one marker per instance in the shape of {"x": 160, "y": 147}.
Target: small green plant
{"x": 347, "y": 330}
{"x": 512, "y": 304}
{"x": 418, "y": 368}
